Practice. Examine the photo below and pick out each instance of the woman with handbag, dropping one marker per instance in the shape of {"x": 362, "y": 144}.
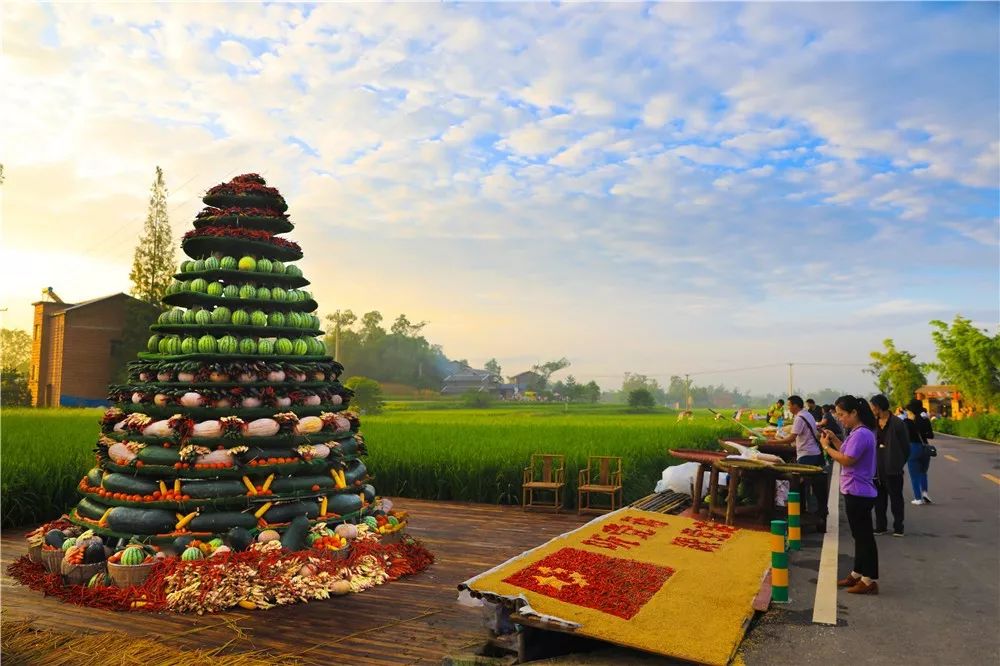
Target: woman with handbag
{"x": 857, "y": 458}
{"x": 919, "y": 462}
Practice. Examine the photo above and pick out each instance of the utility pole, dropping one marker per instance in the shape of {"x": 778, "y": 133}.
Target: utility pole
{"x": 687, "y": 390}
{"x": 791, "y": 382}
{"x": 336, "y": 340}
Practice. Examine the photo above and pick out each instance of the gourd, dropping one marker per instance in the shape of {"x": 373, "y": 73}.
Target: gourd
{"x": 265, "y": 427}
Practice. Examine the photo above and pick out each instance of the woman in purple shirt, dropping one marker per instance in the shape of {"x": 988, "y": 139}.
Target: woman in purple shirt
{"x": 856, "y": 456}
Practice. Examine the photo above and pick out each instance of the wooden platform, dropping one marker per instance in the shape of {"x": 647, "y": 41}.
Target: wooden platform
{"x": 414, "y": 620}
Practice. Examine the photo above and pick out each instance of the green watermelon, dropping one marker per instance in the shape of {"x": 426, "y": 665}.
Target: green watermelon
{"x": 279, "y": 294}
{"x": 282, "y": 346}
{"x": 265, "y": 347}
{"x": 176, "y": 316}
{"x": 300, "y": 347}
{"x": 313, "y": 322}
{"x": 263, "y": 265}
{"x": 174, "y": 287}
{"x": 264, "y": 294}
{"x": 247, "y": 264}
{"x": 305, "y": 295}
{"x": 211, "y": 264}
{"x": 231, "y": 291}
{"x": 189, "y": 316}
{"x": 248, "y": 346}
{"x": 214, "y": 289}
{"x": 277, "y": 267}
{"x": 206, "y": 344}
{"x": 192, "y": 553}
{"x": 258, "y": 318}
{"x": 187, "y": 266}
{"x": 164, "y": 317}
{"x": 203, "y": 317}
{"x": 189, "y": 345}
{"x": 276, "y": 319}
{"x": 248, "y": 291}
{"x": 293, "y": 319}
{"x": 316, "y": 347}
{"x": 199, "y": 265}
{"x": 184, "y": 286}
{"x": 199, "y": 285}
{"x": 228, "y": 263}
{"x": 133, "y": 555}
{"x": 240, "y": 318}
{"x": 161, "y": 346}
{"x": 153, "y": 344}
{"x": 173, "y": 345}
{"x": 228, "y": 345}
{"x": 293, "y": 296}
{"x": 293, "y": 270}
{"x": 221, "y": 315}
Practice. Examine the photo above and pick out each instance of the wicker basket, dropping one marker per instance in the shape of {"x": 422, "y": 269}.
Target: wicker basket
{"x": 52, "y": 560}
{"x": 35, "y": 554}
{"x": 80, "y": 574}
{"x": 394, "y": 537}
{"x": 123, "y": 575}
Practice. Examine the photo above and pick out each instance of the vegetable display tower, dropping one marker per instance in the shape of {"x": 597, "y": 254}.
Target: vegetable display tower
{"x": 233, "y": 425}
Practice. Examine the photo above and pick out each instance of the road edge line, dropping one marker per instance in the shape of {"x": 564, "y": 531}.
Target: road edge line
{"x": 825, "y": 602}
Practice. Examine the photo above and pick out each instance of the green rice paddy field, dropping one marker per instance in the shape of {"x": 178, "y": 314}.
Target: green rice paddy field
{"x": 429, "y": 451}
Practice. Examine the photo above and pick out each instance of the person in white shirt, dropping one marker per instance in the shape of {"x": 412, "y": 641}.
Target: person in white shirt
{"x": 808, "y": 452}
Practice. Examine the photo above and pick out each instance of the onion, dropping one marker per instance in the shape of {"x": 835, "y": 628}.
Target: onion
{"x": 191, "y": 399}
{"x": 136, "y": 398}
{"x": 164, "y": 376}
{"x": 245, "y": 378}
{"x": 144, "y": 376}
{"x": 336, "y": 400}
{"x": 250, "y": 401}
{"x": 311, "y": 400}
{"x": 283, "y": 401}
{"x": 161, "y": 399}
{"x": 216, "y": 376}
{"x": 276, "y": 376}
{"x": 319, "y": 376}
{"x": 185, "y": 376}
{"x": 223, "y": 403}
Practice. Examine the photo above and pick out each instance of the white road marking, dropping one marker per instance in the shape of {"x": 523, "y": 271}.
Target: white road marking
{"x": 951, "y": 458}
{"x": 825, "y": 603}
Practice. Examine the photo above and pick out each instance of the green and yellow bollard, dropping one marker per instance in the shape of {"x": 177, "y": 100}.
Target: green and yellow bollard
{"x": 794, "y": 521}
{"x": 779, "y": 563}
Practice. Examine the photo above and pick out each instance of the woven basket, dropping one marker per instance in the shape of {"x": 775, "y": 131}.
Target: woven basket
{"x": 52, "y": 560}
{"x": 35, "y": 554}
{"x": 394, "y": 537}
{"x": 80, "y": 574}
{"x": 129, "y": 575}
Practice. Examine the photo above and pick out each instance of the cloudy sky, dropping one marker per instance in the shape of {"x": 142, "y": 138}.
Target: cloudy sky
{"x": 656, "y": 188}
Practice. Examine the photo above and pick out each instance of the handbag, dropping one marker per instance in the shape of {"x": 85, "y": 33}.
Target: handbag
{"x": 930, "y": 450}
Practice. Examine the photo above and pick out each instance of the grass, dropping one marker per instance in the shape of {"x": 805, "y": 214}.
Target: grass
{"x": 984, "y": 426}
{"x": 426, "y": 450}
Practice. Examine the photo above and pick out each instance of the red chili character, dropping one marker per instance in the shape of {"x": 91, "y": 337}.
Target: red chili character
{"x": 628, "y": 530}
{"x": 645, "y": 522}
{"x": 609, "y": 542}
{"x": 695, "y": 544}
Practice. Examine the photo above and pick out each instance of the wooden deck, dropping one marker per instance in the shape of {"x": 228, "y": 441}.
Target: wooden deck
{"x": 413, "y": 620}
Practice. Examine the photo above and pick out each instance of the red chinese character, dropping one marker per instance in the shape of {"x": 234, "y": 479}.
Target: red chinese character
{"x": 716, "y": 527}
{"x": 628, "y": 530}
{"x": 609, "y": 542}
{"x": 706, "y": 530}
{"x": 695, "y": 544}
{"x": 645, "y": 522}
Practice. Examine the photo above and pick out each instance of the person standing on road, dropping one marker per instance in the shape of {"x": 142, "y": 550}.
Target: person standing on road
{"x": 920, "y": 431}
{"x": 814, "y": 409}
{"x": 893, "y": 452}
{"x": 830, "y": 422}
{"x": 807, "y": 452}
{"x": 857, "y": 457}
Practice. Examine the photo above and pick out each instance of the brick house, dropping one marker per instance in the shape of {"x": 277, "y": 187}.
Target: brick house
{"x": 77, "y": 349}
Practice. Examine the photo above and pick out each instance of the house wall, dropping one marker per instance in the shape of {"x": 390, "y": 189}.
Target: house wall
{"x": 86, "y": 351}
{"x": 40, "y": 373}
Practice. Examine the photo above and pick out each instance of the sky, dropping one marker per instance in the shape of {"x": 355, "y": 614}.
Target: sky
{"x": 652, "y": 188}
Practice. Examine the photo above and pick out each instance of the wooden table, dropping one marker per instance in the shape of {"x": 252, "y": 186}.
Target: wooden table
{"x": 705, "y": 460}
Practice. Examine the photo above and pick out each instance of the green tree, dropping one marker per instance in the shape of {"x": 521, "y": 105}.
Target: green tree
{"x": 367, "y": 394}
{"x": 897, "y": 374}
{"x": 477, "y": 399}
{"x": 591, "y": 392}
{"x": 546, "y": 370}
{"x": 341, "y": 320}
{"x": 493, "y": 366}
{"x": 633, "y": 381}
{"x": 641, "y": 398}
{"x": 969, "y": 358}
{"x": 15, "y": 349}
{"x": 404, "y": 327}
{"x": 14, "y": 390}
{"x": 371, "y": 328}
{"x": 154, "y": 263}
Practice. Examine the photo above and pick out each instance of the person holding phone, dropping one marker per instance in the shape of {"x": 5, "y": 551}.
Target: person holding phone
{"x": 857, "y": 457}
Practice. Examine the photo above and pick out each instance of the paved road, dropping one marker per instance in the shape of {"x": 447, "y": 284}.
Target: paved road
{"x": 939, "y": 600}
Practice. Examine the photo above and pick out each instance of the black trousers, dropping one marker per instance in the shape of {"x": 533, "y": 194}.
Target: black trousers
{"x": 859, "y": 517}
{"x": 890, "y": 492}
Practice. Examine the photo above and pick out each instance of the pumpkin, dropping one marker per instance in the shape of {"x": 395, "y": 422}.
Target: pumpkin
{"x": 346, "y": 530}
{"x": 308, "y": 424}
{"x": 265, "y": 427}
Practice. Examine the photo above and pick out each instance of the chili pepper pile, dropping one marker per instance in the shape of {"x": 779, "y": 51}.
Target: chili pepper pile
{"x": 241, "y": 232}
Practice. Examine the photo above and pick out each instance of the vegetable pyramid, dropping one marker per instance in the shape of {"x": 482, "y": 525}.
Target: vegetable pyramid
{"x": 233, "y": 422}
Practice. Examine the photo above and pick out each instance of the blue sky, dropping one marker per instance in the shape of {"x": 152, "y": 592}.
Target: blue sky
{"x": 658, "y": 188}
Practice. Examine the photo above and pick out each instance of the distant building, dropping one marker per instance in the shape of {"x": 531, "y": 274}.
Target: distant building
{"x": 481, "y": 381}
{"x": 526, "y": 381}
{"x": 941, "y": 400}
{"x": 76, "y": 349}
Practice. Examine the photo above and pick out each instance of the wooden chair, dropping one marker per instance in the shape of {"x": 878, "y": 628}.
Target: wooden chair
{"x": 547, "y": 473}
{"x": 603, "y": 476}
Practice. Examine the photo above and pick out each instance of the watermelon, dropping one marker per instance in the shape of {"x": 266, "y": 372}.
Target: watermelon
{"x": 265, "y": 347}
{"x": 189, "y": 345}
{"x": 214, "y": 289}
{"x": 184, "y": 286}
{"x": 164, "y": 317}
{"x": 279, "y": 294}
{"x": 240, "y": 318}
{"x": 316, "y": 347}
{"x": 227, "y": 263}
{"x": 293, "y": 319}
{"x": 247, "y": 264}
{"x": 248, "y": 346}
{"x": 264, "y": 294}
{"x": 176, "y": 316}
{"x": 277, "y": 267}
{"x": 153, "y": 344}
{"x": 206, "y": 344}
{"x": 283, "y": 346}
{"x": 258, "y": 318}
{"x": 293, "y": 270}
{"x": 293, "y": 296}
{"x": 305, "y": 295}
{"x": 221, "y": 315}
{"x": 314, "y": 321}
{"x": 170, "y": 345}
{"x": 231, "y": 291}
{"x": 211, "y": 264}
{"x": 248, "y": 291}
{"x": 203, "y": 317}
{"x": 161, "y": 346}
{"x": 300, "y": 347}
{"x": 189, "y": 316}
{"x": 199, "y": 285}
{"x": 187, "y": 266}
{"x": 263, "y": 265}
{"x": 133, "y": 555}
{"x": 228, "y": 345}
{"x": 276, "y": 319}
{"x": 199, "y": 265}
{"x": 192, "y": 553}
{"x": 174, "y": 287}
